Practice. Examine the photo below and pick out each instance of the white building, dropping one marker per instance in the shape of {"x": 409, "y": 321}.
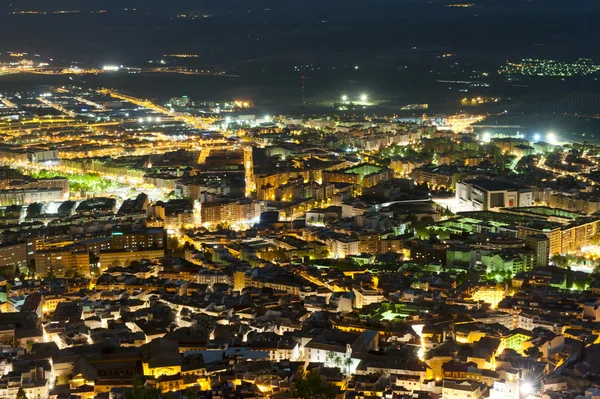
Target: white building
{"x": 364, "y": 296}
{"x": 337, "y": 348}
{"x": 340, "y": 247}
{"x": 507, "y": 388}
{"x": 463, "y": 390}
{"x": 486, "y": 194}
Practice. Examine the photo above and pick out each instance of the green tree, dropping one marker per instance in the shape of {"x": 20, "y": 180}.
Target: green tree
{"x": 50, "y": 274}
{"x": 561, "y": 261}
{"x": 311, "y": 387}
{"x": 139, "y": 391}
{"x": 533, "y": 352}
{"x": 31, "y": 267}
{"x": 223, "y": 226}
{"x": 337, "y": 360}
{"x": 330, "y": 356}
{"x": 21, "y": 393}
{"x": 95, "y": 270}
{"x": 348, "y": 364}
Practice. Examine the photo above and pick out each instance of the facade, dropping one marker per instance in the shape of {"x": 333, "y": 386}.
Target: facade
{"x": 364, "y": 296}
{"x": 125, "y": 257}
{"x": 343, "y": 246}
{"x": 31, "y": 195}
{"x": 59, "y": 261}
{"x": 14, "y": 255}
{"x": 483, "y": 194}
{"x": 540, "y": 245}
{"x": 463, "y": 390}
{"x": 138, "y": 239}
{"x": 241, "y": 211}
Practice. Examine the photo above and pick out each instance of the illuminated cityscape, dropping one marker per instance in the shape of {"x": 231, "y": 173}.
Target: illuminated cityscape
{"x": 299, "y": 201}
{"x": 529, "y": 67}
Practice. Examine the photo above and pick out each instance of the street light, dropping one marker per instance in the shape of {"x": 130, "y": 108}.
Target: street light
{"x": 363, "y": 97}
{"x": 526, "y": 388}
{"x": 344, "y": 98}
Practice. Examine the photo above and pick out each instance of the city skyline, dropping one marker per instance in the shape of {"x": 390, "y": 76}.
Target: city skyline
{"x": 299, "y": 200}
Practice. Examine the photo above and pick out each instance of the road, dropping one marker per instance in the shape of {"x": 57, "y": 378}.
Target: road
{"x": 578, "y": 175}
{"x": 197, "y": 122}
{"x": 57, "y": 107}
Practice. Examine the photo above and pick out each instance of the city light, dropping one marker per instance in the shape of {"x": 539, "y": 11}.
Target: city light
{"x": 200, "y": 179}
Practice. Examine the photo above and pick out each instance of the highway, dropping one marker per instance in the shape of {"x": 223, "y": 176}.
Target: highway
{"x": 197, "y": 122}
{"x": 57, "y": 107}
{"x": 578, "y": 175}
{"x": 7, "y": 103}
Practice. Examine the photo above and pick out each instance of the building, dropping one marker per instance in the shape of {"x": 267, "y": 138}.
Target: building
{"x": 489, "y": 294}
{"x": 60, "y": 261}
{"x": 540, "y": 245}
{"x": 97, "y": 206}
{"x": 176, "y": 214}
{"x": 364, "y": 296}
{"x": 485, "y": 194}
{"x": 14, "y": 255}
{"x": 125, "y": 257}
{"x": 31, "y": 195}
{"x": 231, "y": 212}
{"x": 342, "y": 246}
{"x": 507, "y": 388}
{"x": 128, "y": 238}
{"x": 325, "y": 347}
{"x": 463, "y": 389}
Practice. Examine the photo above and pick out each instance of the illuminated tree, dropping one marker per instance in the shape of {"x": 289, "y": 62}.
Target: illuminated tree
{"x": 330, "y": 356}
{"x": 21, "y": 394}
{"x": 50, "y": 274}
{"x": 533, "y": 352}
{"x": 312, "y": 387}
{"x": 348, "y": 363}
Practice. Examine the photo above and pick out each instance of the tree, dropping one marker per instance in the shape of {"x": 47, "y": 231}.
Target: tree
{"x": 139, "y": 391}
{"x": 533, "y": 352}
{"x": 337, "y": 360}
{"x": 95, "y": 270}
{"x": 311, "y": 387}
{"x": 223, "y": 226}
{"x": 330, "y": 356}
{"x": 560, "y": 261}
{"x": 348, "y": 363}
{"x": 21, "y": 393}
{"x": 50, "y": 274}
{"x": 31, "y": 267}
